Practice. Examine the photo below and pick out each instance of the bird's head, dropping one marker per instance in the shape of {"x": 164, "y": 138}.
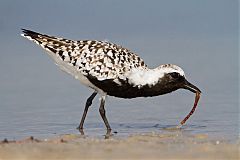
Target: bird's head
{"x": 173, "y": 78}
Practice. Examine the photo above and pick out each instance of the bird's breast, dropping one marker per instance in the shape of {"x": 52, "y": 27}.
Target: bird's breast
{"x": 126, "y": 90}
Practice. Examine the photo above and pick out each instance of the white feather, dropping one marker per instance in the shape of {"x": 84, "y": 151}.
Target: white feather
{"x": 140, "y": 77}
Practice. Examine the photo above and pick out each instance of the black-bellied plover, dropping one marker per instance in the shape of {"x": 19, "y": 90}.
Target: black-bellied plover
{"x": 110, "y": 69}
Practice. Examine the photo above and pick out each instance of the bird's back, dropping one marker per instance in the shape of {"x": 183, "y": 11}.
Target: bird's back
{"x": 91, "y": 60}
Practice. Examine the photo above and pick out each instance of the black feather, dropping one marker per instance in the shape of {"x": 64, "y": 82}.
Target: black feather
{"x": 30, "y": 33}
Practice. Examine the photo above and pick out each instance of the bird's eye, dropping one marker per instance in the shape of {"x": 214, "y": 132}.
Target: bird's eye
{"x": 175, "y": 75}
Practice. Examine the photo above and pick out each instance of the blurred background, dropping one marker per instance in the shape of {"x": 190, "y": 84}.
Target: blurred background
{"x": 202, "y": 37}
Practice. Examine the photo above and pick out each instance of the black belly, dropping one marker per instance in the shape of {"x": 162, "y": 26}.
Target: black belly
{"x": 126, "y": 90}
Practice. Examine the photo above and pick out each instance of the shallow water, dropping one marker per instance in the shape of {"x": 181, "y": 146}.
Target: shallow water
{"x": 42, "y": 101}
{"x": 37, "y": 99}
{"x": 45, "y": 110}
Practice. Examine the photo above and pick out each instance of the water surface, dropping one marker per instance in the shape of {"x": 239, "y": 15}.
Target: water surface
{"x": 37, "y": 99}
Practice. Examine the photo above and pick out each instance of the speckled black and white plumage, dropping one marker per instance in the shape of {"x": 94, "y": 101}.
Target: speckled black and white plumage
{"x": 100, "y": 64}
{"x": 110, "y": 69}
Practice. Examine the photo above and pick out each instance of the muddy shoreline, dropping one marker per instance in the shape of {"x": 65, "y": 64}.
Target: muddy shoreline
{"x": 138, "y": 146}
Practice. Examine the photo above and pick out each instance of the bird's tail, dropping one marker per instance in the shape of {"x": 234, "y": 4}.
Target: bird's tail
{"x": 44, "y": 39}
{"x": 49, "y": 43}
{"x": 27, "y": 33}
{"x": 35, "y": 37}
{"x": 58, "y": 49}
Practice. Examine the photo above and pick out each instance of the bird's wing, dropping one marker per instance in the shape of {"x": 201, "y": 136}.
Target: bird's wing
{"x": 104, "y": 60}
{"x": 99, "y": 59}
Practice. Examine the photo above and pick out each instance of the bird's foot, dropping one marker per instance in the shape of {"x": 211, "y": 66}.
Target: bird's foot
{"x": 80, "y": 130}
{"x": 108, "y": 134}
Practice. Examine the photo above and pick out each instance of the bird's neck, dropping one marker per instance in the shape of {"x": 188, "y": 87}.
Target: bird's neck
{"x": 150, "y": 82}
{"x": 141, "y": 77}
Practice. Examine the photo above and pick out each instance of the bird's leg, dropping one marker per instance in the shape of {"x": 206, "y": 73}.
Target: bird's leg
{"x": 103, "y": 115}
{"x": 88, "y": 103}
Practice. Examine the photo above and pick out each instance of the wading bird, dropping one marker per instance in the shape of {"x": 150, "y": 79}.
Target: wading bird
{"x": 110, "y": 69}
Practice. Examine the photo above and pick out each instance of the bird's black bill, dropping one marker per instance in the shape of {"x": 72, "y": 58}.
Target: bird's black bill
{"x": 191, "y": 87}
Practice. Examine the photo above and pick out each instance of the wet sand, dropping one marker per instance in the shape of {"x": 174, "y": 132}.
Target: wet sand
{"x": 140, "y": 146}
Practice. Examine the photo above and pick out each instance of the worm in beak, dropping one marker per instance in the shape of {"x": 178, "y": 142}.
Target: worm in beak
{"x": 197, "y": 92}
